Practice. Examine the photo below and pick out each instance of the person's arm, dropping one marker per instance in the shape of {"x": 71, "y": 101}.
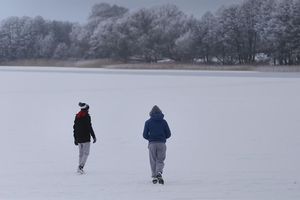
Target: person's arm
{"x": 167, "y": 130}
{"x": 146, "y": 131}
{"x": 74, "y": 133}
{"x": 92, "y": 130}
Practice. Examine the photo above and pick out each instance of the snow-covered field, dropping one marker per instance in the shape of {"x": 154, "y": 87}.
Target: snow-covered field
{"x": 236, "y": 135}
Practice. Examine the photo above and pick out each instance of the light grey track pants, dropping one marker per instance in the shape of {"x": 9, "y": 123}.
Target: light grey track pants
{"x": 157, "y": 155}
{"x": 84, "y": 151}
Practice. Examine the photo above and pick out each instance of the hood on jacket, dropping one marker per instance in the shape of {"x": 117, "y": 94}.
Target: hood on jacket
{"x": 156, "y": 113}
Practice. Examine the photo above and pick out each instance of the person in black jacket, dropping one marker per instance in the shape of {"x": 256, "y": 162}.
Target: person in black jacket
{"x": 83, "y": 131}
{"x": 156, "y": 131}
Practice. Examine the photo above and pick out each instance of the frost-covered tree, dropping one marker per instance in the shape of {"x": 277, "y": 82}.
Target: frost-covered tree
{"x": 263, "y": 26}
{"x": 114, "y": 41}
{"x": 142, "y": 25}
{"x": 37, "y": 28}
{"x": 206, "y": 37}
{"x": 283, "y": 32}
{"x": 234, "y": 35}
{"x": 119, "y": 40}
{"x": 46, "y": 46}
{"x": 183, "y": 48}
{"x": 61, "y": 31}
{"x": 249, "y": 19}
{"x": 255, "y": 16}
{"x": 26, "y": 37}
{"x": 169, "y": 25}
{"x": 4, "y": 44}
{"x": 295, "y": 33}
{"x": 79, "y": 37}
{"x": 13, "y": 32}
{"x": 228, "y": 43}
{"x": 155, "y": 31}
{"x": 101, "y": 22}
{"x": 58, "y": 33}
{"x": 103, "y": 12}
{"x": 61, "y": 51}
{"x": 188, "y": 46}
{"x": 243, "y": 31}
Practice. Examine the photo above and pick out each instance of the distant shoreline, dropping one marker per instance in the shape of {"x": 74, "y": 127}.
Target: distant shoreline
{"x": 111, "y": 64}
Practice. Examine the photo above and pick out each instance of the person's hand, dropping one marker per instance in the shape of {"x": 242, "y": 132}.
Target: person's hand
{"x": 95, "y": 140}
{"x": 76, "y": 143}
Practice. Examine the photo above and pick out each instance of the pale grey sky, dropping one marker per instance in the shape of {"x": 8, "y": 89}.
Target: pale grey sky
{"x": 78, "y": 10}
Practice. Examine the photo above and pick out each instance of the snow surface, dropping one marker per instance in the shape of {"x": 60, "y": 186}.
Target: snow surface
{"x": 235, "y": 135}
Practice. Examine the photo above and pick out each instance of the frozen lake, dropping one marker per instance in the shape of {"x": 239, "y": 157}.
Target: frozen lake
{"x": 235, "y": 135}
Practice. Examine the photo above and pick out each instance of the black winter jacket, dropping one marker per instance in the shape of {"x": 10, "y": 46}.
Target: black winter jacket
{"x": 82, "y": 128}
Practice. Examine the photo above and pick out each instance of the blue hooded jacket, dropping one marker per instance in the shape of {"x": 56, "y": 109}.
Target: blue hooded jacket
{"x": 156, "y": 128}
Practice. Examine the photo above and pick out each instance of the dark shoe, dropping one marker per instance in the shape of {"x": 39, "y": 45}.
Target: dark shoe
{"x": 159, "y": 178}
{"x": 80, "y": 169}
{"x": 154, "y": 180}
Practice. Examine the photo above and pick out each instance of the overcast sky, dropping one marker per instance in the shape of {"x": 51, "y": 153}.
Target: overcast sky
{"x": 78, "y": 10}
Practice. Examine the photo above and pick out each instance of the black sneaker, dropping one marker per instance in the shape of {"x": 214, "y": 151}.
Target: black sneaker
{"x": 80, "y": 169}
{"x": 159, "y": 178}
{"x": 154, "y": 180}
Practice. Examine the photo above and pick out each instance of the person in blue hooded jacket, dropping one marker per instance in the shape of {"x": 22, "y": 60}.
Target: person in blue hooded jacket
{"x": 157, "y": 131}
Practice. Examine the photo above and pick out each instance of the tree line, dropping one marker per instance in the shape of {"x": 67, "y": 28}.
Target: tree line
{"x": 266, "y": 31}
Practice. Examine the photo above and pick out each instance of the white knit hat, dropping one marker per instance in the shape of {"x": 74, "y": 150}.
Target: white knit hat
{"x": 83, "y": 106}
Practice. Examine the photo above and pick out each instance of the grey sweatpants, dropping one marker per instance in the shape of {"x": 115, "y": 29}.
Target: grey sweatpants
{"x": 84, "y": 151}
{"x": 157, "y": 155}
